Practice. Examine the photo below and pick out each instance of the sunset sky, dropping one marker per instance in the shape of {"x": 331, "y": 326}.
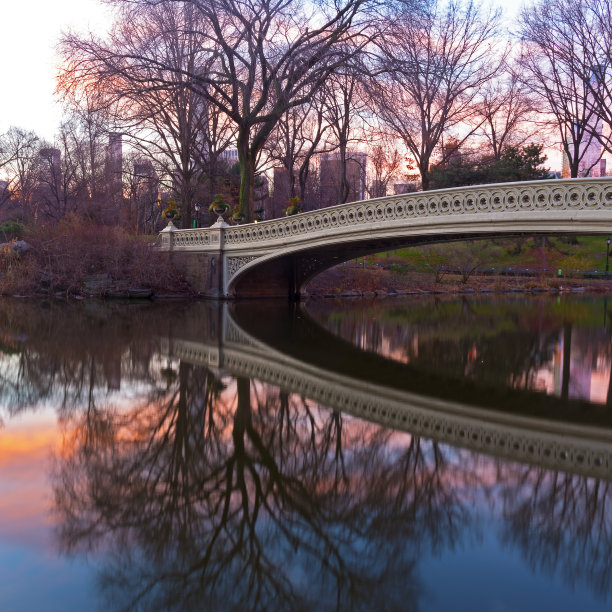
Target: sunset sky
{"x": 31, "y": 30}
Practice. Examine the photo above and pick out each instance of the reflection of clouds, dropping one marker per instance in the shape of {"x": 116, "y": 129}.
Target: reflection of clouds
{"x": 26, "y": 446}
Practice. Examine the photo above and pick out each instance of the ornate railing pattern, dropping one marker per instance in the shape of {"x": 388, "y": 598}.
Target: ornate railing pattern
{"x": 504, "y": 198}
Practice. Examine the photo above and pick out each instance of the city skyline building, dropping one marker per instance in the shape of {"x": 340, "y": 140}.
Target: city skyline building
{"x": 330, "y": 172}
{"x": 114, "y": 167}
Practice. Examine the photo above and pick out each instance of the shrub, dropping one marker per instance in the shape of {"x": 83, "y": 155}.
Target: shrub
{"x": 65, "y": 255}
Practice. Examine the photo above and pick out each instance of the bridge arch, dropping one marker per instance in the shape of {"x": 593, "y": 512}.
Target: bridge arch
{"x": 275, "y": 258}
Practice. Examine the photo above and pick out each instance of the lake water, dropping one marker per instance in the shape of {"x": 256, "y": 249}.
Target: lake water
{"x": 400, "y": 454}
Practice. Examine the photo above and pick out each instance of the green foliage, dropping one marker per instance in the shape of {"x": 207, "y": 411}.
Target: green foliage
{"x": 10, "y": 230}
{"x": 516, "y": 164}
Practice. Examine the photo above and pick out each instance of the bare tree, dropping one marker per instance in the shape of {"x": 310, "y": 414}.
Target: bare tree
{"x": 256, "y": 60}
{"x": 19, "y": 151}
{"x": 297, "y": 138}
{"x": 385, "y": 161}
{"x": 344, "y": 106}
{"x": 434, "y": 61}
{"x": 559, "y": 69}
{"x": 84, "y": 134}
{"x": 170, "y": 124}
{"x": 505, "y": 110}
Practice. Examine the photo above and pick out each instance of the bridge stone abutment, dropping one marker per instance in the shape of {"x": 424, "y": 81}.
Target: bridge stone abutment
{"x": 276, "y": 258}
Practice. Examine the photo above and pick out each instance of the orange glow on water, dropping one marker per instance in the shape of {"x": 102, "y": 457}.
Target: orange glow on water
{"x": 25, "y": 503}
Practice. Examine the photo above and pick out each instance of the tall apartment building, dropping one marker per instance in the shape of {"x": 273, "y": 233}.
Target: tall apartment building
{"x": 229, "y": 156}
{"x": 114, "y": 168}
{"x": 330, "y": 171}
{"x": 280, "y": 192}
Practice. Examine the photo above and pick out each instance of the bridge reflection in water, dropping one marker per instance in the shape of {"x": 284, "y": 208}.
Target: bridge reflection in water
{"x": 242, "y": 479}
{"x": 515, "y": 424}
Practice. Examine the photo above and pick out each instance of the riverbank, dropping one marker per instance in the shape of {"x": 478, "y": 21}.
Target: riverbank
{"x": 80, "y": 259}
{"x": 355, "y": 280}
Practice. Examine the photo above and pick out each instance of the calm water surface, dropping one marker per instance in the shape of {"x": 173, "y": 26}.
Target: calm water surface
{"x": 414, "y": 454}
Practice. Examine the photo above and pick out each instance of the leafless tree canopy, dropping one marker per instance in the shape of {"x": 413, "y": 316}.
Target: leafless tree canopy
{"x": 251, "y": 60}
{"x": 565, "y": 64}
{"x": 434, "y": 63}
{"x": 280, "y": 82}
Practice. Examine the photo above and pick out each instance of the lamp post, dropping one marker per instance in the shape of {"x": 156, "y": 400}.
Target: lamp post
{"x": 607, "y": 255}
{"x": 197, "y": 207}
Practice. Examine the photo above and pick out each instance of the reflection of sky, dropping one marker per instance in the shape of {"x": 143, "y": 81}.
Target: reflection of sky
{"x": 479, "y": 573}
{"x": 33, "y": 576}
{"x": 504, "y": 581}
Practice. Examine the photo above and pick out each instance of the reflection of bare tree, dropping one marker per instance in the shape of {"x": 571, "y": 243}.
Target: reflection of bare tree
{"x": 68, "y": 354}
{"x": 247, "y": 497}
{"x": 561, "y": 522}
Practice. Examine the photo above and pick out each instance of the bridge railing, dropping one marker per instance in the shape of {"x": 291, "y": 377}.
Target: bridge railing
{"x": 498, "y": 199}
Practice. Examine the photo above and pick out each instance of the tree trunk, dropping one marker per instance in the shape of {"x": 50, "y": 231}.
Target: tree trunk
{"x": 247, "y": 176}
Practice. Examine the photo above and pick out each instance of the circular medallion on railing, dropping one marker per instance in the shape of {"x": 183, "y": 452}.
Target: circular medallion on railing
{"x": 325, "y": 220}
{"x": 511, "y": 200}
{"x": 432, "y": 206}
{"x": 342, "y": 218}
{"x": 483, "y": 202}
{"x": 607, "y": 196}
{"x": 497, "y": 201}
{"x": 574, "y": 197}
{"x": 309, "y": 224}
{"x": 317, "y": 222}
{"x": 334, "y": 219}
{"x": 302, "y": 226}
{"x": 410, "y": 209}
{"x": 260, "y": 234}
{"x": 273, "y": 231}
{"x": 457, "y": 206}
{"x": 469, "y": 202}
{"x": 445, "y": 206}
{"x": 541, "y": 198}
{"x": 350, "y": 215}
{"x": 557, "y": 197}
{"x": 591, "y": 197}
{"x": 380, "y": 213}
{"x": 389, "y": 211}
{"x": 294, "y": 227}
{"x": 400, "y": 209}
{"x": 360, "y": 214}
{"x": 526, "y": 200}
{"x": 421, "y": 207}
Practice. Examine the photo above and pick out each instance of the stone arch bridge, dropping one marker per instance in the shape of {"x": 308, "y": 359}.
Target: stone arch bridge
{"x": 276, "y": 258}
